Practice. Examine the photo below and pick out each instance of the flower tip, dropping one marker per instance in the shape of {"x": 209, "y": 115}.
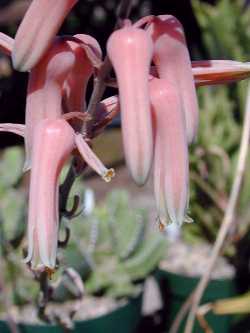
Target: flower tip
{"x": 162, "y": 225}
{"x": 50, "y": 272}
{"x": 17, "y": 63}
{"x": 26, "y": 166}
{"x": 108, "y": 175}
{"x": 139, "y": 176}
{"x": 188, "y": 219}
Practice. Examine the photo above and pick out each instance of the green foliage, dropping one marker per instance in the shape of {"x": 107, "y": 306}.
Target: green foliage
{"x": 112, "y": 249}
{"x": 226, "y": 35}
{"x": 13, "y": 199}
{"x": 225, "y": 28}
{"x": 12, "y": 195}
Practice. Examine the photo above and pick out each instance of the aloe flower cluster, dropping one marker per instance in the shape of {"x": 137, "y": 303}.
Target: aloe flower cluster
{"x": 157, "y": 99}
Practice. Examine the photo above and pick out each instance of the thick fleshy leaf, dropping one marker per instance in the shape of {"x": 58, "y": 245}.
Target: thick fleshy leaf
{"x": 53, "y": 142}
{"x": 130, "y": 51}
{"x": 92, "y": 160}
{"x": 37, "y": 30}
{"x": 44, "y": 98}
{"x": 173, "y": 63}
{"x": 6, "y": 44}
{"x": 171, "y": 153}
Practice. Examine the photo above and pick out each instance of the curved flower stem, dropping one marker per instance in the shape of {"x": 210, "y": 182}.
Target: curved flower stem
{"x": 44, "y": 297}
{"x": 66, "y": 187}
{"x": 99, "y": 86}
{"x": 228, "y": 217}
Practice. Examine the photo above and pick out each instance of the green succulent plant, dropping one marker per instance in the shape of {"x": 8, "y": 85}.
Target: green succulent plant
{"x": 113, "y": 249}
{"x": 225, "y": 35}
{"x": 12, "y": 195}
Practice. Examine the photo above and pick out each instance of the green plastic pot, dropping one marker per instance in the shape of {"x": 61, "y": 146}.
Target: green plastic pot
{"x": 122, "y": 320}
{"x": 175, "y": 289}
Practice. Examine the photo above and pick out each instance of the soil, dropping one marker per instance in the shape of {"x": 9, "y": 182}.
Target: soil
{"x": 192, "y": 260}
{"x": 90, "y": 307}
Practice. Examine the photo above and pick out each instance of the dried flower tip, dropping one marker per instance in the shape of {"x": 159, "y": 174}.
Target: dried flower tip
{"x": 162, "y": 226}
{"x": 50, "y": 272}
{"x": 109, "y": 174}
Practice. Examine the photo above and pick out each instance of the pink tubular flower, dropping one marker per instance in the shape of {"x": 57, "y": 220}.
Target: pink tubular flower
{"x": 38, "y": 28}
{"x": 158, "y": 109}
{"x": 44, "y": 97}
{"x": 53, "y": 142}
{"x": 171, "y": 153}
{"x": 172, "y": 61}
{"x": 211, "y": 72}
{"x": 130, "y": 51}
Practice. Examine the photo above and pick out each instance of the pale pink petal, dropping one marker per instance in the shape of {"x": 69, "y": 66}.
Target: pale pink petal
{"x": 92, "y": 160}
{"x": 172, "y": 60}
{"x": 37, "y": 30}
{"x": 130, "y": 51}
{"x": 53, "y": 142}
{"x": 44, "y": 97}
{"x": 6, "y": 44}
{"x": 13, "y": 128}
{"x": 171, "y": 153}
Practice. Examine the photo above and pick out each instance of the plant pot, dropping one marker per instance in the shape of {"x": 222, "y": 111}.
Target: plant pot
{"x": 175, "y": 288}
{"x": 124, "y": 319}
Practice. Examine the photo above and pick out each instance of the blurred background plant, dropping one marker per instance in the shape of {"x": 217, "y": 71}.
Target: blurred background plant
{"x": 225, "y": 35}
{"x": 113, "y": 248}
